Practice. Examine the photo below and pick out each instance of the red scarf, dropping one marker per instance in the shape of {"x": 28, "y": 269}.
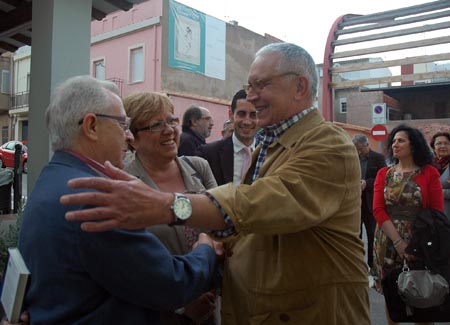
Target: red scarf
{"x": 442, "y": 163}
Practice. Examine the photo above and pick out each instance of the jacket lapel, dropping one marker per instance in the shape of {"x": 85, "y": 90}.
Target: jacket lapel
{"x": 226, "y": 162}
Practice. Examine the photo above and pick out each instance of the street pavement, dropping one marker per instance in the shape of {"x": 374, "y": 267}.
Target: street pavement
{"x": 24, "y": 184}
{"x": 377, "y": 313}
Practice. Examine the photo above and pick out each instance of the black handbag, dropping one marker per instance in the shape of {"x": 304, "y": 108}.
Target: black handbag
{"x": 400, "y": 312}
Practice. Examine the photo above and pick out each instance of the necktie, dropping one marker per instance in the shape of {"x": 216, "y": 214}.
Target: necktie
{"x": 247, "y": 160}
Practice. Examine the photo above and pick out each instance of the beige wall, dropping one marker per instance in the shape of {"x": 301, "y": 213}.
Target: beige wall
{"x": 241, "y": 46}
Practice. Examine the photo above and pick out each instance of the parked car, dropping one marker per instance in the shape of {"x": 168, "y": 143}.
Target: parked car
{"x": 7, "y": 155}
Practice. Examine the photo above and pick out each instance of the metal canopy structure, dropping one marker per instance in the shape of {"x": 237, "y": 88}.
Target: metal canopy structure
{"x": 60, "y": 34}
{"x": 16, "y": 19}
{"x": 392, "y": 36}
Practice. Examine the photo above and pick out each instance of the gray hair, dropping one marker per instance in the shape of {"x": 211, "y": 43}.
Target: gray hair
{"x": 226, "y": 124}
{"x": 294, "y": 58}
{"x": 71, "y": 100}
{"x": 361, "y": 139}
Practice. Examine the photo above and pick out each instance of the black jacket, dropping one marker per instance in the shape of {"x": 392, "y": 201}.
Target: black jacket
{"x": 430, "y": 239}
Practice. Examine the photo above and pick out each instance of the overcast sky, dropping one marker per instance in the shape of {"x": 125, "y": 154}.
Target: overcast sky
{"x": 306, "y": 23}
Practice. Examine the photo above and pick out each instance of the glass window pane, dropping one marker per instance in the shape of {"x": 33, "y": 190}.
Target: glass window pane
{"x": 137, "y": 64}
{"x": 99, "y": 69}
{"x": 5, "y": 82}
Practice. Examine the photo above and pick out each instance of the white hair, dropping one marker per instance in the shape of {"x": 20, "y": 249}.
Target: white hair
{"x": 294, "y": 58}
{"x": 71, "y": 100}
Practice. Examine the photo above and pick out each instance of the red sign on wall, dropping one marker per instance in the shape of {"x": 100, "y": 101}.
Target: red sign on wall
{"x": 379, "y": 132}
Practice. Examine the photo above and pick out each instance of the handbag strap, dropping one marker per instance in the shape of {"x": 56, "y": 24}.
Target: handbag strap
{"x": 197, "y": 174}
{"x": 405, "y": 266}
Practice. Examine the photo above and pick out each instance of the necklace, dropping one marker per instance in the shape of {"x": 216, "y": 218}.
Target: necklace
{"x": 405, "y": 170}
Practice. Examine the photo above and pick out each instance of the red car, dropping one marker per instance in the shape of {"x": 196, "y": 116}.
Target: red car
{"x": 7, "y": 155}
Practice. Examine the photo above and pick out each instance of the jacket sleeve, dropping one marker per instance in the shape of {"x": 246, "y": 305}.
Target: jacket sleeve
{"x": 434, "y": 189}
{"x": 136, "y": 267}
{"x": 379, "y": 206}
{"x": 446, "y": 193}
{"x": 301, "y": 186}
{"x": 379, "y": 162}
{"x": 210, "y": 181}
{"x": 203, "y": 167}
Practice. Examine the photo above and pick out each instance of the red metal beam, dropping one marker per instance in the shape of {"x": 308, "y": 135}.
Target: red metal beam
{"x": 327, "y": 104}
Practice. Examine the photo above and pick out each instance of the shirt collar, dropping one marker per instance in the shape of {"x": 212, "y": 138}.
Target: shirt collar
{"x": 276, "y": 130}
{"x": 93, "y": 164}
{"x": 238, "y": 145}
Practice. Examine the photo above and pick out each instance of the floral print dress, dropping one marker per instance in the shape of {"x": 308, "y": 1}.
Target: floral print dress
{"x": 403, "y": 199}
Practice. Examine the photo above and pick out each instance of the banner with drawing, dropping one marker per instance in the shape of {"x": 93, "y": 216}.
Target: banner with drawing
{"x": 196, "y": 41}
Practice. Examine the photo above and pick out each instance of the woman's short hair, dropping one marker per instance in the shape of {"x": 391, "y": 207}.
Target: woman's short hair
{"x": 421, "y": 153}
{"x": 439, "y": 134}
{"x": 142, "y": 107}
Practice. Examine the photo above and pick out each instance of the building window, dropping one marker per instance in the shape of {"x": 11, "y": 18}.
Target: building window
{"x": 28, "y": 82}
{"x": 99, "y": 69}
{"x": 24, "y": 131}
{"x": 114, "y": 22}
{"x": 137, "y": 64}
{"x": 5, "y": 137}
{"x": 342, "y": 105}
{"x": 5, "y": 82}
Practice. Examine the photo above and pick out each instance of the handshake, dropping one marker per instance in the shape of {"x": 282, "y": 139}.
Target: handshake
{"x": 205, "y": 239}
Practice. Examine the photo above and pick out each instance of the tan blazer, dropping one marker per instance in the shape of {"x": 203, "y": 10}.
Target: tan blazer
{"x": 297, "y": 255}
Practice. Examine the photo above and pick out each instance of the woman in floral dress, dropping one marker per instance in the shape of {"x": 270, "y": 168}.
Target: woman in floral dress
{"x": 400, "y": 190}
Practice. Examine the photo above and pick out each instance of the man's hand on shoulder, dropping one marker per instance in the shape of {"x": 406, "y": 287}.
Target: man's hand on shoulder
{"x": 123, "y": 201}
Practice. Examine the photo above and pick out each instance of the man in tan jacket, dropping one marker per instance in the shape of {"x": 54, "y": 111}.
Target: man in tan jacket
{"x": 292, "y": 228}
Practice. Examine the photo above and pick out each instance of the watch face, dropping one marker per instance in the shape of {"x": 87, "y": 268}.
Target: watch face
{"x": 182, "y": 208}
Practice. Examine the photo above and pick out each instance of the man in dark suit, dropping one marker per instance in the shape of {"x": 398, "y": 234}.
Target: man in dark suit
{"x": 226, "y": 157}
{"x": 196, "y": 127}
{"x": 370, "y": 162}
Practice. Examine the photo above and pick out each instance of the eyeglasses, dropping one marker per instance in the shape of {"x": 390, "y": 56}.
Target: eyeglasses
{"x": 124, "y": 121}
{"x": 259, "y": 84}
{"x": 159, "y": 126}
{"x": 442, "y": 144}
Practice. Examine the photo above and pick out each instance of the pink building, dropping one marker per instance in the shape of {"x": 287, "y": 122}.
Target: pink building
{"x": 165, "y": 46}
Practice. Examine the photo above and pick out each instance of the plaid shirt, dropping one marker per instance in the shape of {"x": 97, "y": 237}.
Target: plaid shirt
{"x": 266, "y": 137}
{"x": 271, "y": 133}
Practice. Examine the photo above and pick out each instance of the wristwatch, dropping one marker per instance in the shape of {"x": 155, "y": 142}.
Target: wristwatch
{"x": 181, "y": 208}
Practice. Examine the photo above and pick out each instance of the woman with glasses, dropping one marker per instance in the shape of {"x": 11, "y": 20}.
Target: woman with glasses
{"x": 440, "y": 143}
{"x": 156, "y": 138}
{"x": 401, "y": 190}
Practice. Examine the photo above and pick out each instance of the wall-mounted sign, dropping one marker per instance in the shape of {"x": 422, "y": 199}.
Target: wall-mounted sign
{"x": 379, "y": 113}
